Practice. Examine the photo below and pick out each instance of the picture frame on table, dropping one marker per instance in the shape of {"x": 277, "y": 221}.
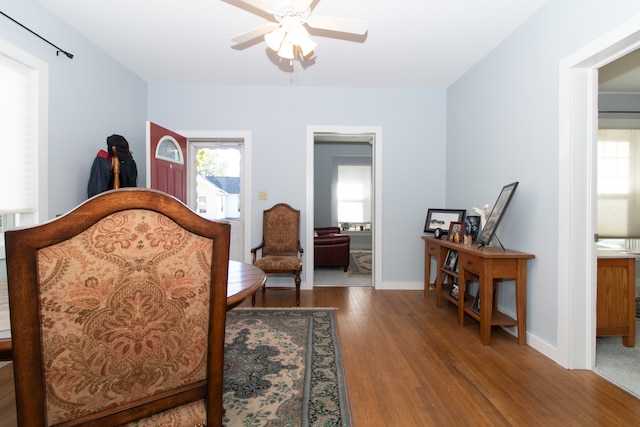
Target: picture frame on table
{"x": 456, "y": 231}
{"x": 455, "y": 290}
{"x": 475, "y": 307}
{"x": 493, "y": 220}
{"x": 451, "y": 261}
{"x": 472, "y": 226}
{"x": 442, "y": 219}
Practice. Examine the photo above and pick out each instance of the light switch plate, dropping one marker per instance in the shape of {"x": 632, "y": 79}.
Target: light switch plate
{"x": 262, "y": 195}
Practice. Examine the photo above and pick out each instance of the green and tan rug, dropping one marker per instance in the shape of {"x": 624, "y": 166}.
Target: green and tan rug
{"x": 283, "y": 368}
{"x": 359, "y": 264}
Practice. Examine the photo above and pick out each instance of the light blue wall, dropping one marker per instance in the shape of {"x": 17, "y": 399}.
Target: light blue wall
{"x": 90, "y": 97}
{"x": 502, "y": 126}
{"x": 413, "y": 123}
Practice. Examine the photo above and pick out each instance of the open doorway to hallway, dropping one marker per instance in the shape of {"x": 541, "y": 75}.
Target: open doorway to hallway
{"x": 343, "y": 199}
{"x": 578, "y": 118}
{"x": 370, "y": 136}
{"x": 618, "y": 226}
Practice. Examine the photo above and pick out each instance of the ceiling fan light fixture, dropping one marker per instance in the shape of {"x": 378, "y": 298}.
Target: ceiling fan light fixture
{"x": 290, "y": 38}
{"x": 300, "y": 37}
{"x": 286, "y": 50}
{"x": 307, "y": 47}
{"x": 274, "y": 39}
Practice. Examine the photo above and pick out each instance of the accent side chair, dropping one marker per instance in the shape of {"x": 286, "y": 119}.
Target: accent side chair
{"x": 280, "y": 249}
{"x": 118, "y": 313}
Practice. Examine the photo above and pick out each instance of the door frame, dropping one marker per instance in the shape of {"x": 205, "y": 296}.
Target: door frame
{"x": 244, "y": 138}
{"x": 376, "y": 234}
{"x": 577, "y": 204}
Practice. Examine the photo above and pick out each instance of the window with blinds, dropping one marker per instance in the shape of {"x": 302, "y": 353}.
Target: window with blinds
{"x": 618, "y": 183}
{"x": 23, "y": 118}
{"x": 354, "y": 193}
{"x": 18, "y": 131}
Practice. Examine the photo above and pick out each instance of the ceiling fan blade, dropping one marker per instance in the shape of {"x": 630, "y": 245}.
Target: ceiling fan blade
{"x": 261, "y": 5}
{"x": 302, "y": 5}
{"x": 343, "y": 25}
{"x": 255, "y": 33}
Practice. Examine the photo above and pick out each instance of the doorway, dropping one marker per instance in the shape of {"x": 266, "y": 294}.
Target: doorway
{"x": 216, "y": 187}
{"x": 373, "y": 136}
{"x": 343, "y": 198}
{"x": 192, "y": 141}
{"x": 618, "y": 176}
{"x": 578, "y": 118}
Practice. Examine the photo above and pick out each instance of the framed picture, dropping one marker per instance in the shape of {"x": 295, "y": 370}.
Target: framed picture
{"x": 489, "y": 229}
{"x": 455, "y": 290}
{"x": 472, "y": 226}
{"x": 456, "y": 232}
{"x": 475, "y": 307}
{"x": 451, "y": 261}
{"x": 442, "y": 219}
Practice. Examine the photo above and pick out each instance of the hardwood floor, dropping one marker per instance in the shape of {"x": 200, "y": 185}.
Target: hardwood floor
{"x": 408, "y": 363}
{"x": 7, "y": 397}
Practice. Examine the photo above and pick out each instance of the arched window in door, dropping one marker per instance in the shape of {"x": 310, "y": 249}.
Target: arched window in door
{"x": 168, "y": 149}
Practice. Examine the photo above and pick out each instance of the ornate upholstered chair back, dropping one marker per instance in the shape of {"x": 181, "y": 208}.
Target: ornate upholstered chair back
{"x": 281, "y": 230}
{"x": 123, "y": 313}
{"x": 280, "y": 250}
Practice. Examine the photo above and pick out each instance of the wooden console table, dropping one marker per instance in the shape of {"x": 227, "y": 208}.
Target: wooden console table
{"x": 487, "y": 266}
{"x": 615, "y": 297}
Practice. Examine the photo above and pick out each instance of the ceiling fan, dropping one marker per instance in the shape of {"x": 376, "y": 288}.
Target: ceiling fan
{"x": 288, "y": 35}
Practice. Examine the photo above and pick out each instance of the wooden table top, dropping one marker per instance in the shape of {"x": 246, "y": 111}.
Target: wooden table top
{"x": 244, "y": 281}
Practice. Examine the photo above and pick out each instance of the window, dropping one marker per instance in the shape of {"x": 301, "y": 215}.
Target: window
{"x": 618, "y": 159}
{"x": 353, "y": 193}
{"x": 168, "y": 149}
{"x": 23, "y": 121}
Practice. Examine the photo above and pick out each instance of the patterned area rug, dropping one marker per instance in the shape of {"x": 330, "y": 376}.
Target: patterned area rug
{"x": 283, "y": 368}
{"x": 360, "y": 264}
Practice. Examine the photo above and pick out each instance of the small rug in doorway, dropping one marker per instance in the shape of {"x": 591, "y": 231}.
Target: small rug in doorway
{"x": 619, "y": 364}
{"x": 283, "y": 368}
{"x": 359, "y": 264}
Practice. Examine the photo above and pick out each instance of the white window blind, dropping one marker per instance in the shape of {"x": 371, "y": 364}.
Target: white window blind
{"x": 18, "y": 136}
{"x": 354, "y": 193}
{"x": 618, "y": 183}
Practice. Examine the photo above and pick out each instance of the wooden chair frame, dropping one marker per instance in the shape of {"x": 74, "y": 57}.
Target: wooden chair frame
{"x": 22, "y": 247}
{"x": 292, "y": 257}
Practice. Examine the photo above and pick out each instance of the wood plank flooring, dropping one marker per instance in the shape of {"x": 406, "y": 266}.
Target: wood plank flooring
{"x": 408, "y": 363}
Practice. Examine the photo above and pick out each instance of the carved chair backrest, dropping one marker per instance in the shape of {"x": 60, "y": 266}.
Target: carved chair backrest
{"x": 118, "y": 312}
{"x": 281, "y": 230}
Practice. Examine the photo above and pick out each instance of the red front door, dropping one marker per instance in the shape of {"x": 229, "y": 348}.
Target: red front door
{"x": 168, "y": 159}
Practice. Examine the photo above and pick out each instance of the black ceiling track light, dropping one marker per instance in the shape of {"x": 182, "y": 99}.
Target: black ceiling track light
{"x": 59, "y": 50}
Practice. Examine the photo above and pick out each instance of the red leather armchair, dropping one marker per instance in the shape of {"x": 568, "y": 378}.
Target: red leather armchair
{"x": 331, "y": 249}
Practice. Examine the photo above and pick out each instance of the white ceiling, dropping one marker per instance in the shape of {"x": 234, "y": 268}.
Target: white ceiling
{"x": 410, "y": 43}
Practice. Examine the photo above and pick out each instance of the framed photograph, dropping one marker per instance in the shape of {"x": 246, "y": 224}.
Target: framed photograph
{"x": 472, "y": 226}
{"x": 475, "y": 307}
{"x": 455, "y": 290}
{"x": 493, "y": 220}
{"x": 451, "y": 261}
{"x": 456, "y": 232}
{"x": 442, "y": 219}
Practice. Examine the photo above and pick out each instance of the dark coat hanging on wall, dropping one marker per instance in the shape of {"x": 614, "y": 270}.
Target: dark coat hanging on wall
{"x": 101, "y": 176}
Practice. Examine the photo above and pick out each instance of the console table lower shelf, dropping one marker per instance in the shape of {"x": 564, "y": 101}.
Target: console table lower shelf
{"x": 460, "y": 265}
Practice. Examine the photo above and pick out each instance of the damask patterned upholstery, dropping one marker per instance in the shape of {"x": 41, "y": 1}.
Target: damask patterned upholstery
{"x": 280, "y": 248}
{"x": 125, "y": 306}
